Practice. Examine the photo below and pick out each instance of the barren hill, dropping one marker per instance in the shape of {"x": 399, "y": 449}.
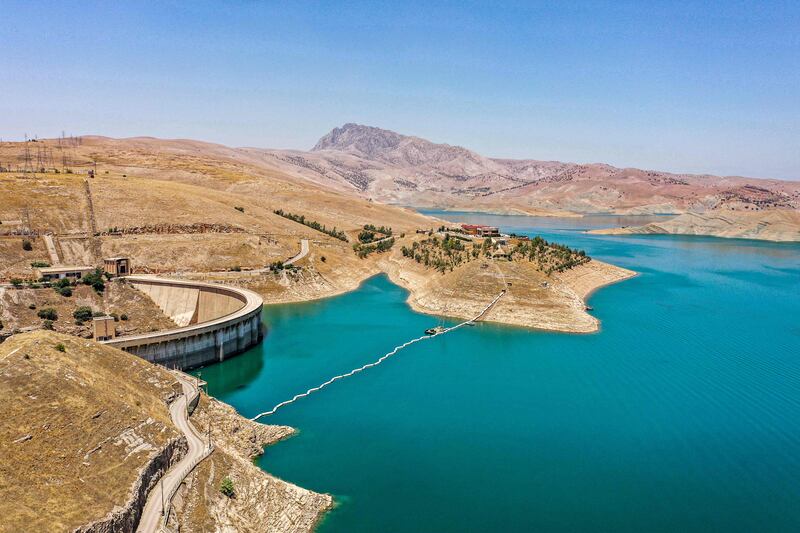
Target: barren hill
{"x": 206, "y": 211}
{"x": 408, "y": 170}
{"x": 773, "y": 225}
{"x": 86, "y": 429}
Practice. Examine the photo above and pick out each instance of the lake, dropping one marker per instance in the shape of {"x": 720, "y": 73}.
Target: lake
{"x": 681, "y": 414}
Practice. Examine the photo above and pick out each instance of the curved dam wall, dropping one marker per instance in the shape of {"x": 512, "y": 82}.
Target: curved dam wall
{"x": 215, "y": 322}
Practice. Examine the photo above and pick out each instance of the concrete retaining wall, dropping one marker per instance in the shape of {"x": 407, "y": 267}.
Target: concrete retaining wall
{"x": 222, "y": 322}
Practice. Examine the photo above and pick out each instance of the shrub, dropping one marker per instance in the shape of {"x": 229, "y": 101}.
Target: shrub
{"x": 32, "y": 306}
{"x": 1, "y": 324}
{"x": 16, "y": 282}
{"x": 48, "y": 313}
{"x": 95, "y": 280}
{"x": 64, "y": 291}
{"x": 226, "y": 487}
{"x": 123, "y": 316}
{"x": 48, "y": 324}
{"x": 115, "y": 316}
{"x": 27, "y": 245}
{"x": 40, "y": 264}
{"x": 60, "y": 347}
{"x": 240, "y": 209}
{"x": 82, "y": 313}
{"x": 322, "y": 259}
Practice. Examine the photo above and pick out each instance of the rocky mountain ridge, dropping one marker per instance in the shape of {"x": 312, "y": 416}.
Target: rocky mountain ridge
{"x": 394, "y": 168}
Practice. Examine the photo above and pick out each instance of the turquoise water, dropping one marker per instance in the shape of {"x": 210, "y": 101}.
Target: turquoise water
{"x": 681, "y": 414}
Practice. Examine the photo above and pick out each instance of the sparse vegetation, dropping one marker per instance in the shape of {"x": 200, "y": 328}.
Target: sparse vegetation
{"x": 82, "y": 314}
{"x": 226, "y": 488}
{"x": 451, "y": 251}
{"x": 40, "y": 264}
{"x": 363, "y": 250}
{"x": 47, "y": 313}
{"x": 313, "y": 224}
{"x": 60, "y": 347}
{"x": 384, "y": 230}
{"x": 63, "y": 287}
{"x": 95, "y": 280}
{"x": 16, "y": 282}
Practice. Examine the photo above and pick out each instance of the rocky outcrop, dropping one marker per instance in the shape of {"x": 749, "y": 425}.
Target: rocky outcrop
{"x": 260, "y": 502}
{"x": 125, "y": 519}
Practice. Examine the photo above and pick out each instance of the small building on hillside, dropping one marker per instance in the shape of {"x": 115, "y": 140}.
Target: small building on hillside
{"x": 500, "y": 253}
{"x": 61, "y": 272}
{"x": 488, "y": 231}
{"x": 480, "y": 230}
{"x": 117, "y": 266}
{"x": 104, "y": 328}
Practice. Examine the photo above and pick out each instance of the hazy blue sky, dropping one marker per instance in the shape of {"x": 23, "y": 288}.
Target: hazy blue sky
{"x": 684, "y": 86}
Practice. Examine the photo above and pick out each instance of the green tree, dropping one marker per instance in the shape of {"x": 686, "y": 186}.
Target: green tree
{"x": 82, "y": 313}
{"x": 226, "y": 488}
{"x": 48, "y": 313}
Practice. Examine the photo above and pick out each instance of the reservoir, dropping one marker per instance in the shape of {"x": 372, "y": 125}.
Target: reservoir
{"x": 681, "y": 414}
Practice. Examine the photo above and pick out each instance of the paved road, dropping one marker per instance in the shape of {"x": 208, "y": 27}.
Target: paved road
{"x": 151, "y": 519}
{"x": 302, "y": 254}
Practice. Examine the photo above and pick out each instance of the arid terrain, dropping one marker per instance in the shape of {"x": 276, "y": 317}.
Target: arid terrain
{"x": 407, "y": 170}
{"x": 80, "y": 443}
{"x": 205, "y": 211}
{"x": 772, "y": 225}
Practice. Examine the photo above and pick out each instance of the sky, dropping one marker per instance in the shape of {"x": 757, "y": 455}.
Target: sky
{"x": 704, "y": 87}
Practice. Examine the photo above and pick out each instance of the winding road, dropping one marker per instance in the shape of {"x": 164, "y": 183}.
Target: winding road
{"x": 302, "y": 254}
{"x": 152, "y": 515}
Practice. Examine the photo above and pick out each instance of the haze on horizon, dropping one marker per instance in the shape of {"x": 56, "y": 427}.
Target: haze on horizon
{"x": 691, "y": 87}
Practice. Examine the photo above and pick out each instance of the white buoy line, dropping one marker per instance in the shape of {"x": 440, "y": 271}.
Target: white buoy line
{"x": 378, "y": 361}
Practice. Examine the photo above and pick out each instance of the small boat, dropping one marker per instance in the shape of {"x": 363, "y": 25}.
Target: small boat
{"x": 589, "y": 308}
{"x": 434, "y": 331}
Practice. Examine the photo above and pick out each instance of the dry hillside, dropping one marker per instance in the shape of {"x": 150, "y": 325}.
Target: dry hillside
{"x": 205, "y": 211}
{"x": 773, "y": 225}
{"x": 75, "y": 437}
{"x": 74, "y": 434}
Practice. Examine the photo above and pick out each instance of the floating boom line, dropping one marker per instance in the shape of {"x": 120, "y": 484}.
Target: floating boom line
{"x": 378, "y": 361}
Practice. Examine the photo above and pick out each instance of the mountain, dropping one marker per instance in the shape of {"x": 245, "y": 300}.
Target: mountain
{"x": 394, "y": 168}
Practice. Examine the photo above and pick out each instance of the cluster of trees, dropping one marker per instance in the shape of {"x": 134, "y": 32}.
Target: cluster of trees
{"x": 550, "y": 257}
{"x": 313, "y": 224}
{"x": 95, "y": 279}
{"x": 451, "y": 251}
{"x": 382, "y": 229}
{"x": 441, "y": 254}
{"x": 370, "y": 233}
{"x": 363, "y": 250}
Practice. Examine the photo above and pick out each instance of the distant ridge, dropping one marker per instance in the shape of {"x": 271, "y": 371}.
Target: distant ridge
{"x": 396, "y": 168}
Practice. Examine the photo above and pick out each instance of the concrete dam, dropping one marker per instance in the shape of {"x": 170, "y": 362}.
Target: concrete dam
{"x": 214, "y": 322}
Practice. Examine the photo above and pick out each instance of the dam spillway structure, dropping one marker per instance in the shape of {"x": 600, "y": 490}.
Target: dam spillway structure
{"x": 214, "y": 322}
